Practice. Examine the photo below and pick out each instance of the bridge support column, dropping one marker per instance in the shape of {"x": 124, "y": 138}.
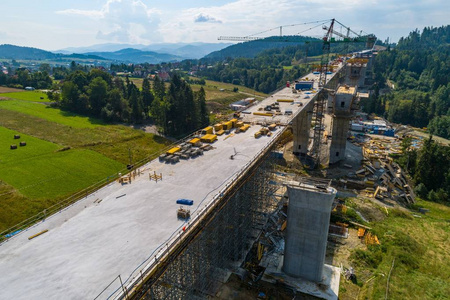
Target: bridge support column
{"x": 301, "y": 127}
{"x": 307, "y": 230}
{"x": 339, "y": 138}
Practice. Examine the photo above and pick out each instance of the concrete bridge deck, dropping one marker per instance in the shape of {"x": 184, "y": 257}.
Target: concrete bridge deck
{"x": 92, "y": 242}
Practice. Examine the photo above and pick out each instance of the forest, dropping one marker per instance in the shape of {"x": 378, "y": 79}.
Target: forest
{"x": 269, "y": 69}
{"x": 21, "y": 78}
{"x": 177, "y": 110}
{"x": 429, "y": 166}
{"x": 417, "y": 70}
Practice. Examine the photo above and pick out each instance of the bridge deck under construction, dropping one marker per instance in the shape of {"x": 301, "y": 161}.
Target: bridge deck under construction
{"x": 121, "y": 227}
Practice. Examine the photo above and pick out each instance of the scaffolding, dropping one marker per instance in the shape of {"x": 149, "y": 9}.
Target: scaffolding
{"x": 219, "y": 243}
{"x": 318, "y": 116}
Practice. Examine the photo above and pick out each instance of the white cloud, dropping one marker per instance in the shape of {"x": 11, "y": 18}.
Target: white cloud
{"x": 246, "y": 17}
{"x": 124, "y": 21}
{"x": 205, "y": 18}
{"x": 137, "y": 21}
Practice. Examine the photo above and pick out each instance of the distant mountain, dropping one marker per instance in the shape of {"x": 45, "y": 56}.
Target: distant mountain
{"x": 17, "y": 52}
{"x": 108, "y": 47}
{"x": 252, "y": 48}
{"x": 28, "y": 53}
{"x": 136, "y": 56}
{"x": 183, "y": 50}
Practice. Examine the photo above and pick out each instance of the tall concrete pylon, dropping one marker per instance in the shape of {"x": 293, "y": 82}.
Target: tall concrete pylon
{"x": 342, "y": 104}
{"x": 301, "y": 127}
{"x": 307, "y": 229}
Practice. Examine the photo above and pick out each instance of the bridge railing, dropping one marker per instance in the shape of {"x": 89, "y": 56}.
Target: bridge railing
{"x": 137, "y": 277}
{"x": 64, "y": 204}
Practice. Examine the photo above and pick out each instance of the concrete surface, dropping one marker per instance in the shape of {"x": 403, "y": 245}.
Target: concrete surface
{"x": 92, "y": 242}
{"x": 328, "y": 288}
{"x": 307, "y": 230}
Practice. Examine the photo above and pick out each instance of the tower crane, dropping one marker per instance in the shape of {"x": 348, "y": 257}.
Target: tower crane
{"x": 331, "y": 36}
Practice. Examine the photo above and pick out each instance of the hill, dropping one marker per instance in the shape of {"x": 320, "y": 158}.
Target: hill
{"x": 136, "y": 56}
{"x": 417, "y": 71}
{"x": 185, "y": 50}
{"x": 252, "y": 48}
{"x": 28, "y": 53}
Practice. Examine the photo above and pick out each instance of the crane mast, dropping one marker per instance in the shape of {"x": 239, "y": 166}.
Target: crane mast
{"x": 327, "y": 39}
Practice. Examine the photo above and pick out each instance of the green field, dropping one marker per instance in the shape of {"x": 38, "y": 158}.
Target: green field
{"x": 39, "y": 170}
{"x": 51, "y": 114}
{"x": 418, "y": 246}
{"x": 34, "y": 96}
{"x": 39, "y": 173}
{"x": 65, "y": 153}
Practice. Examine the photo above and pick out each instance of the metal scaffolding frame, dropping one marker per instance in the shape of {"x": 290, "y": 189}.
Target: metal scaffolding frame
{"x": 318, "y": 115}
{"x": 198, "y": 267}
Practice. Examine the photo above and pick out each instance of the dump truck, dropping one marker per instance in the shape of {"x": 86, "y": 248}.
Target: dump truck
{"x": 217, "y": 127}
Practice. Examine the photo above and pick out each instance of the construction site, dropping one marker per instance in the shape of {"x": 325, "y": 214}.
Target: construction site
{"x": 223, "y": 208}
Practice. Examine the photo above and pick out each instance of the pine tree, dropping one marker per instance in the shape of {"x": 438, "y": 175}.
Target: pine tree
{"x": 159, "y": 88}
{"x": 137, "y": 109}
{"x": 147, "y": 96}
{"x": 203, "y": 116}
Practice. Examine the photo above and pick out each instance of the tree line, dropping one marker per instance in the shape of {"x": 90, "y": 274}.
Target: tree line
{"x": 418, "y": 68}
{"x": 176, "y": 109}
{"x": 21, "y": 78}
{"x": 269, "y": 69}
{"x": 429, "y": 166}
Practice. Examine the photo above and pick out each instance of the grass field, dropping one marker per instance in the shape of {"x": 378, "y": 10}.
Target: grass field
{"x": 40, "y": 173}
{"x": 34, "y": 96}
{"x": 215, "y": 86}
{"x": 419, "y": 245}
{"x": 51, "y": 114}
{"x": 113, "y": 141}
{"x": 39, "y": 170}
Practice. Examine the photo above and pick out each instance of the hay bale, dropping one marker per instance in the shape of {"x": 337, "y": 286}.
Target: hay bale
{"x": 12, "y": 147}
{"x": 23, "y": 144}
{"x": 16, "y": 136}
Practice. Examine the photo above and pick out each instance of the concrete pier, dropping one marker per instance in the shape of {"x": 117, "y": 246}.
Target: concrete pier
{"x": 301, "y": 127}
{"x": 342, "y": 103}
{"x": 307, "y": 229}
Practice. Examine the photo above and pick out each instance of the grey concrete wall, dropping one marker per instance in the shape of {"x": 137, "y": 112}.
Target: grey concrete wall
{"x": 301, "y": 127}
{"x": 307, "y": 232}
{"x": 339, "y": 138}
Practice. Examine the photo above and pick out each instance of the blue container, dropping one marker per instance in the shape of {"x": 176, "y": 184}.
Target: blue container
{"x": 389, "y": 132}
{"x": 304, "y": 85}
{"x": 185, "y": 201}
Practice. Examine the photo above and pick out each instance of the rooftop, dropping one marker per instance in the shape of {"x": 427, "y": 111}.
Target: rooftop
{"x": 345, "y": 89}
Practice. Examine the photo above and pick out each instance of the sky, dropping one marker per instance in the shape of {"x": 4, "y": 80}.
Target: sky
{"x": 57, "y": 24}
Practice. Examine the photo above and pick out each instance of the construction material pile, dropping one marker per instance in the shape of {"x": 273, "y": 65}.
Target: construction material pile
{"x": 380, "y": 177}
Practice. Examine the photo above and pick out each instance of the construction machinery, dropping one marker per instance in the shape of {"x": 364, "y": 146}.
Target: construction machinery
{"x": 331, "y": 36}
{"x": 183, "y": 213}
